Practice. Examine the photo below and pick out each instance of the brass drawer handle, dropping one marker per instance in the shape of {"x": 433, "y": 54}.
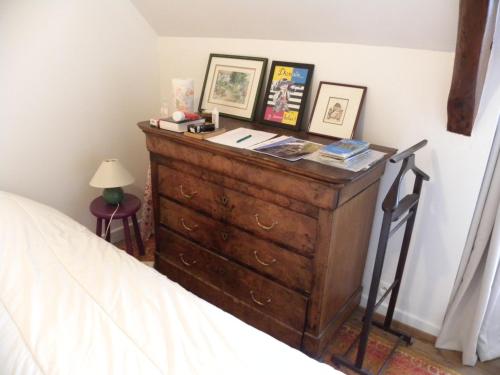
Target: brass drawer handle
{"x": 186, "y": 227}
{"x": 261, "y": 261}
{"x": 185, "y": 195}
{"x": 263, "y": 226}
{"x": 257, "y": 301}
{"x": 224, "y": 236}
{"x": 185, "y": 262}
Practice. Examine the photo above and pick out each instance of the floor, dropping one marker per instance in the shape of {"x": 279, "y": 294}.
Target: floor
{"x": 453, "y": 360}
{"x": 446, "y": 358}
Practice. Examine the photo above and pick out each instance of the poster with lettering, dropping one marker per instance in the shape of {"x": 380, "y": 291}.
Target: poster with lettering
{"x": 286, "y": 94}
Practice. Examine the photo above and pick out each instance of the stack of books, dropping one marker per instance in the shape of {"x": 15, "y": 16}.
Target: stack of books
{"x": 179, "y": 126}
{"x": 288, "y": 148}
{"x": 345, "y": 152}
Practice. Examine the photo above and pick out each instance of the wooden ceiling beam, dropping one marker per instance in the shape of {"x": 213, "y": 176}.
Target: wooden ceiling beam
{"x": 472, "y": 21}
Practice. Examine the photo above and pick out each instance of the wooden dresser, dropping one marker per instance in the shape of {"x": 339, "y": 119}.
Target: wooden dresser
{"x": 280, "y": 245}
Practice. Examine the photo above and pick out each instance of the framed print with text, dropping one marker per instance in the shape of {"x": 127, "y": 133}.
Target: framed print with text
{"x": 286, "y": 94}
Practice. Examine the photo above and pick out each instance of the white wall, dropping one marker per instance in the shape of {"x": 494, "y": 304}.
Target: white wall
{"x": 406, "y": 102}
{"x": 75, "y": 77}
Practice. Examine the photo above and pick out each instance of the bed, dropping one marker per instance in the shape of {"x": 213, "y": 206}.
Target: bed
{"x": 71, "y": 303}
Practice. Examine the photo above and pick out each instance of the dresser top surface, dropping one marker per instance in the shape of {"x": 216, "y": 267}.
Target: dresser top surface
{"x": 303, "y": 167}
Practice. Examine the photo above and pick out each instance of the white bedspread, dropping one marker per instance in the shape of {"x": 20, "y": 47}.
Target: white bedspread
{"x": 70, "y": 303}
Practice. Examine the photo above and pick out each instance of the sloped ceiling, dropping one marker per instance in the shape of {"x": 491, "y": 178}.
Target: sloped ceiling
{"x": 422, "y": 24}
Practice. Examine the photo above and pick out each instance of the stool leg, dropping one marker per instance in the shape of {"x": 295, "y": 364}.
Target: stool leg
{"x": 98, "y": 228}
{"x": 138, "y": 237}
{"x": 108, "y": 234}
{"x": 128, "y": 239}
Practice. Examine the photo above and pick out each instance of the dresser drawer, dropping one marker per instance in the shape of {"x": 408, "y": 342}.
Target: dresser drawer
{"x": 262, "y": 218}
{"x": 270, "y": 221}
{"x": 191, "y": 191}
{"x": 247, "y": 286}
{"x": 230, "y": 304}
{"x": 293, "y": 270}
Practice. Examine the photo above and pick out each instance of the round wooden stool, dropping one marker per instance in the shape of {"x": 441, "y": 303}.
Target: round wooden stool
{"x": 128, "y": 208}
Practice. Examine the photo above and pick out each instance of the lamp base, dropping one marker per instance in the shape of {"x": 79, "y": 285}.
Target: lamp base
{"x": 113, "y": 195}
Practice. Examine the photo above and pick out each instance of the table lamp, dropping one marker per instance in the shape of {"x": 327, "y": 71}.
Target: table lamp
{"x": 111, "y": 176}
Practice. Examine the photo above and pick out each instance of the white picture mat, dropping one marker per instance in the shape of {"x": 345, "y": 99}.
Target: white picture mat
{"x": 327, "y": 91}
{"x": 239, "y": 65}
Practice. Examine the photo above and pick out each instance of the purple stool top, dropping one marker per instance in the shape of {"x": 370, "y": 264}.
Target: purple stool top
{"x": 129, "y": 206}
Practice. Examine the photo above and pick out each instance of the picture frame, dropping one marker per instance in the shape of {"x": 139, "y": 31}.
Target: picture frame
{"x": 232, "y": 85}
{"x": 286, "y": 94}
{"x": 336, "y": 109}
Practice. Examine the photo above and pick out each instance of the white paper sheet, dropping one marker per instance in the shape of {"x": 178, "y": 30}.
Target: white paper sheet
{"x": 268, "y": 142}
{"x": 232, "y": 137}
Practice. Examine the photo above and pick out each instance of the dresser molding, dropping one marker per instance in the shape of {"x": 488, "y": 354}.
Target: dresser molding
{"x": 280, "y": 245}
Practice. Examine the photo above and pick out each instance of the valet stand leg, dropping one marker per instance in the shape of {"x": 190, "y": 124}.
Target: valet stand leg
{"x": 402, "y": 261}
{"x": 372, "y": 299}
{"x": 372, "y": 296}
{"x": 128, "y": 238}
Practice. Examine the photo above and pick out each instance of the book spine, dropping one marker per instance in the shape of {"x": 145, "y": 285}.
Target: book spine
{"x": 179, "y": 128}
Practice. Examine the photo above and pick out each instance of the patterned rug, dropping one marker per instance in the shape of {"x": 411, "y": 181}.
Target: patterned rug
{"x": 403, "y": 360}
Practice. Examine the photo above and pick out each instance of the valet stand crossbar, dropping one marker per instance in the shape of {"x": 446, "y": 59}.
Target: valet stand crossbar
{"x": 394, "y": 208}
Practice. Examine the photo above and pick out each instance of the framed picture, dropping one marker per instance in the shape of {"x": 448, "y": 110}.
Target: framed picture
{"x": 336, "y": 109}
{"x": 232, "y": 85}
{"x": 286, "y": 94}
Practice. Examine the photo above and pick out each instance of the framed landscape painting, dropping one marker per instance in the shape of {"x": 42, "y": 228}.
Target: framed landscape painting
{"x": 336, "y": 109}
{"x": 286, "y": 94}
{"x": 232, "y": 85}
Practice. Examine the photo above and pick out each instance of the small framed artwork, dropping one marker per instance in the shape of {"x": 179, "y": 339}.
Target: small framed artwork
{"x": 232, "y": 85}
{"x": 336, "y": 109}
{"x": 286, "y": 94}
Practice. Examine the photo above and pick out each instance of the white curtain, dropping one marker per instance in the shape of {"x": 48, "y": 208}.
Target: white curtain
{"x": 472, "y": 321}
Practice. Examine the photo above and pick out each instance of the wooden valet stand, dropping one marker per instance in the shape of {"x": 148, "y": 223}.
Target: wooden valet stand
{"x": 394, "y": 208}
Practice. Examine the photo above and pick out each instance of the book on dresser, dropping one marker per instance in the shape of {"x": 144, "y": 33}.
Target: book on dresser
{"x": 178, "y": 126}
{"x": 288, "y": 148}
{"x": 355, "y": 163}
{"x": 344, "y": 149}
{"x": 280, "y": 245}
